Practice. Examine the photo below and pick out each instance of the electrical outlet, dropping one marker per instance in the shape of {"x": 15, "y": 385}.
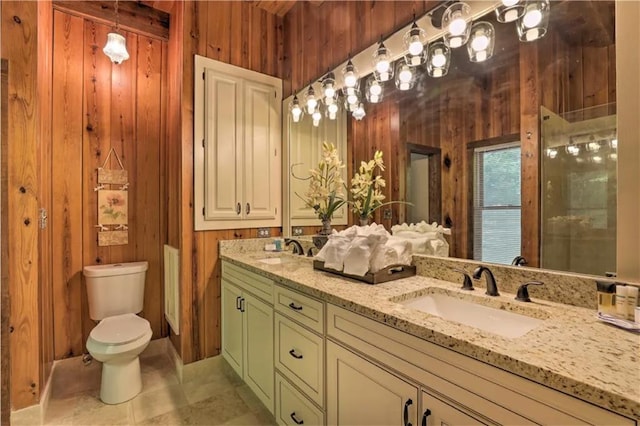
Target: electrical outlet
{"x": 264, "y": 232}
{"x": 296, "y": 231}
{"x": 388, "y": 214}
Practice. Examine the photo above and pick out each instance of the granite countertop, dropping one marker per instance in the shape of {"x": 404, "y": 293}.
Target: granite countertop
{"x": 571, "y": 351}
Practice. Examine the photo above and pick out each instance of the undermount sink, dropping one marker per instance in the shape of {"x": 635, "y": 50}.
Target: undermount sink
{"x": 497, "y": 321}
{"x": 276, "y": 260}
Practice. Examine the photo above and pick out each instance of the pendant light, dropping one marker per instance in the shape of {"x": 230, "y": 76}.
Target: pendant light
{"x": 310, "y": 100}
{"x": 551, "y": 153}
{"x": 316, "y": 117}
{"x": 331, "y": 110}
{"x": 359, "y": 112}
{"x": 383, "y": 70}
{"x": 405, "y": 75}
{"x": 295, "y": 109}
{"x": 481, "y": 42}
{"x": 510, "y": 10}
{"x": 456, "y": 20}
{"x": 373, "y": 91}
{"x": 328, "y": 86}
{"x": 535, "y": 20}
{"x": 414, "y": 41}
{"x": 116, "y": 47}
{"x": 350, "y": 75}
{"x": 438, "y": 59}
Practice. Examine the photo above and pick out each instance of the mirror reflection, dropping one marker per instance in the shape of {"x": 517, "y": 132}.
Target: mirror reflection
{"x": 503, "y": 150}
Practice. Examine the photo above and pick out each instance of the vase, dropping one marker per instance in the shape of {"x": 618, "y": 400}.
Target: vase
{"x": 326, "y": 227}
{"x": 364, "y": 220}
{"x": 322, "y": 237}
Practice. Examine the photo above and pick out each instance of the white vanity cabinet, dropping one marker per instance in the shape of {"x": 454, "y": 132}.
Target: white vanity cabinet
{"x": 247, "y": 329}
{"x": 237, "y": 147}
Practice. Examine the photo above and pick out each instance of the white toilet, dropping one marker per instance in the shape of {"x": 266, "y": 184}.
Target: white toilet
{"x": 116, "y": 294}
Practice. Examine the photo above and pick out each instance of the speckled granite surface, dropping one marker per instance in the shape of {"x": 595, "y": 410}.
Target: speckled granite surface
{"x": 571, "y": 351}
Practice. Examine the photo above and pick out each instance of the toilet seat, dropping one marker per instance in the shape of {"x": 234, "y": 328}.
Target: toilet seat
{"x": 120, "y": 329}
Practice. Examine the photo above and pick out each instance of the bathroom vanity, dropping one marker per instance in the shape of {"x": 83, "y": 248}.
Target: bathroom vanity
{"x": 346, "y": 352}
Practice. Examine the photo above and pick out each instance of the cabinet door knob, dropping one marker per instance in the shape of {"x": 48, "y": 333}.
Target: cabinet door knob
{"x": 238, "y": 208}
{"x": 248, "y": 208}
{"x": 293, "y": 417}
{"x": 293, "y": 353}
{"x": 294, "y": 307}
{"x": 424, "y": 417}
{"x": 406, "y": 412}
{"x": 238, "y": 302}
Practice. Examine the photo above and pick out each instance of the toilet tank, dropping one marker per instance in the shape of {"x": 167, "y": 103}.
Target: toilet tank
{"x": 115, "y": 289}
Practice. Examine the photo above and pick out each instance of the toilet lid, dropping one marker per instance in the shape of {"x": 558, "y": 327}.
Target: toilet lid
{"x": 120, "y": 329}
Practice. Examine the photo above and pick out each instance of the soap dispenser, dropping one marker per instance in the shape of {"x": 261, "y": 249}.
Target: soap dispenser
{"x": 606, "y": 297}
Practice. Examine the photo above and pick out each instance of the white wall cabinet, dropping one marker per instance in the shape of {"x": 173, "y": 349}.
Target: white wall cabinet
{"x": 247, "y": 331}
{"x": 237, "y": 147}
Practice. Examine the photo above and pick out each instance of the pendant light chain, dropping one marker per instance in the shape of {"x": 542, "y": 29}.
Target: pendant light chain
{"x": 117, "y": 20}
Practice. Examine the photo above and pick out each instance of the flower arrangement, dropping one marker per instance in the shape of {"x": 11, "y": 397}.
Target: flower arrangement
{"x": 325, "y": 194}
{"x": 366, "y": 189}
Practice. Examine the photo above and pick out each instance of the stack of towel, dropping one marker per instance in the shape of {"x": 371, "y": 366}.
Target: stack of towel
{"x": 424, "y": 238}
{"x": 361, "y": 249}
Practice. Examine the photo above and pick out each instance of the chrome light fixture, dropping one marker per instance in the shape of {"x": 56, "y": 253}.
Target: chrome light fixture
{"x": 510, "y": 10}
{"x": 552, "y": 153}
{"x": 535, "y": 20}
{"x": 405, "y": 75}
{"x": 438, "y": 59}
{"x": 374, "y": 91}
{"x": 573, "y": 149}
{"x": 331, "y": 110}
{"x": 310, "y": 100}
{"x": 456, "y": 20}
{"x": 359, "y": 112}
{"x": 328, "y": 86}
{"x": 351, "y": 99}
{"x": 414, "y": 41}
{"x": 295, "y": 109}
{"x": 481, "y": 42}
{"x": 350, "y": 75}
{"x": 383, "y": 70}
{"x": 116, "y": 47}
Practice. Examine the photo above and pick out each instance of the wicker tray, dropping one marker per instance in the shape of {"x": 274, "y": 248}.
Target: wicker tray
{"x": 390, "y": 273}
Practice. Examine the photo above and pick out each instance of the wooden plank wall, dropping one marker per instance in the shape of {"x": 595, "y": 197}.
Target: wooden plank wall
{"x": 5, "y": 306}
{"x": 240, "y": 34}
{"x": 19, "y": 47}
{"x": 104, "y": 106}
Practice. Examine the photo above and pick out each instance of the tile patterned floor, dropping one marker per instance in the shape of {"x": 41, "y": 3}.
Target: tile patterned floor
{"x": 217, "y": 398}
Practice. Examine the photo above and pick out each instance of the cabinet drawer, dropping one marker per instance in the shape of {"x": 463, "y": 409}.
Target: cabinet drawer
{"x": 305, "y": 310}
{"x": 293, "y": 408}
{"x": 252, "y": 282}
{"x": 300, "y": 357}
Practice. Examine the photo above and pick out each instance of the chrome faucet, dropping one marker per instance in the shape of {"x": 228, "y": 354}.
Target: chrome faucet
{"x": 297, "y": 247}
{"x": 492, "y": 288}
{"x": 519, "y": 261}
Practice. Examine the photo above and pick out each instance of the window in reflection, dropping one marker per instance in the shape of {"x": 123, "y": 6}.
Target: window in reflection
{"x": 496, "y": 207}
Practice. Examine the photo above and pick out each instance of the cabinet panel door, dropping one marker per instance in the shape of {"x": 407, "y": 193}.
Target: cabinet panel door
{"x": 361, "y": 393}
{"x": 223, "y": 127}
{"x": 232, "y": 326}
{"x": 258, "y": 343}
{"x": 436, "y": 412}
{"x": 261, "y": 152}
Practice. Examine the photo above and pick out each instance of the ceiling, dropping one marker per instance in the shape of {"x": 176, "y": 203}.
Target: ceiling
{"x": 275, "y": 7}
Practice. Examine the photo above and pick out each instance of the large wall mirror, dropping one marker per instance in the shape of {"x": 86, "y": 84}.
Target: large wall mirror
{"x": 518, "y": 154}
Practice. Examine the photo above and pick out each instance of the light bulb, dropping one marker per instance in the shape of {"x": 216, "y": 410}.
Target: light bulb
{"x": 333, "y": 108}
{"x": 593, "y": 146}
{"x": 329, "y": 92}
{"x": 405, "y": 75}
{"x": 437, "y": 72}
{"x": 573, "y": 149}
{"x": 438, "y": 60}
{"x": 374, "y": 99}
{"x": 384, "y": 76}
{"x": 382, "y": 66}
{"x": 613, "y": 156}
{"x": 455, "y": 42}
{"x": 614, "y": 143}
{"x": 552, "y": 153}
{"x": 350, "y": 79}
{"x": 532, "y": 18}
{"x": 415, "y": 45}
{"x": 532, "y": 34}
{"x": 404, "y": 86}
{"x": 457, "y": 26}
{"x": 332, "y": 115}
{"x": 296, "y": 113}
{"x": 509, "y": 2}
{"x": 375, "y": 89}
{"x": 316, "y": 116}
{"x": 311, "y": 104}
{"x": 481, "y": 56}
{"x": 359, "y": 112}
{"x": 596, "y": 159}
{"x": 480, "y": 42}
{"x": 510, "y": 15}
{"x": 352, "y": 99}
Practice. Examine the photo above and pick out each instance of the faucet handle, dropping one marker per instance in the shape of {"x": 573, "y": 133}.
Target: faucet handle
{"x": 523, "y": 293}
{"x": 467, "y": 284}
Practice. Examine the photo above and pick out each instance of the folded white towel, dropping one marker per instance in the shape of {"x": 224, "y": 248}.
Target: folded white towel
{"x": 358, "y": 256}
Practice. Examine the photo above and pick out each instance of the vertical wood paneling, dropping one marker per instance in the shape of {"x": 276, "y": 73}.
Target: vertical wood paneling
{"x": 66, "y": 214}
{"x": 19, "y": 47}
{"x": 5, "y": 304}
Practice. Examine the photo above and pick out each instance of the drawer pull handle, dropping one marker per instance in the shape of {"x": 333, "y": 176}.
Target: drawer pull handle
{"x": 294, "y": 307}
{"x": 242, "y": 305}
{"x": 293, "y": 353}
{"x": 424, "y": 417}
{"x": 293, "y": 417}
{"x": 406, "y": 412}
{"x": 238, "y": 302}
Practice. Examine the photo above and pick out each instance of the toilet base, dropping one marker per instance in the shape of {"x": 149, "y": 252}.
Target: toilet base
{"x": 121, "y": 381}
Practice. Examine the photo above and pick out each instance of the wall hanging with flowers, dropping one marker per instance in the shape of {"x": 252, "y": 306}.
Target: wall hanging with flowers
{"x": 113, "y": 214}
